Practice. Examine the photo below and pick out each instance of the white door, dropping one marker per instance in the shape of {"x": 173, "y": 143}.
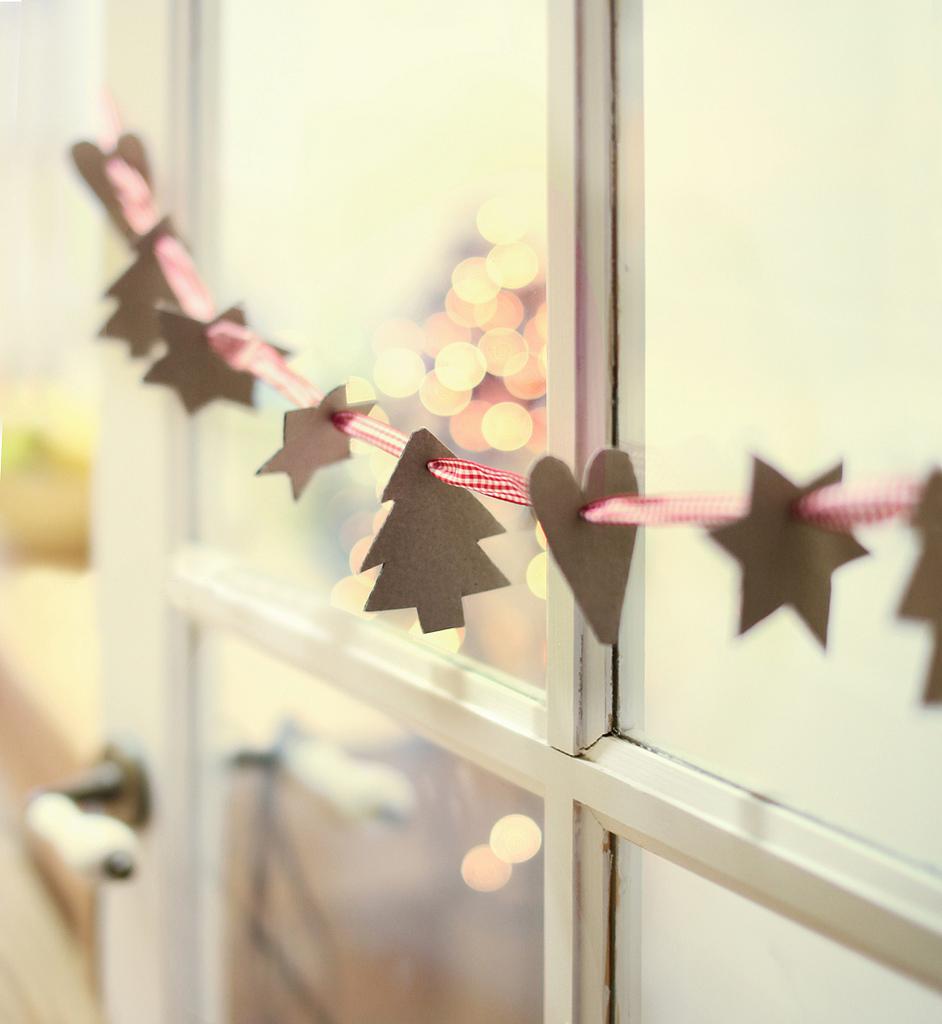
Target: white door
{"x": 357, "y": 824}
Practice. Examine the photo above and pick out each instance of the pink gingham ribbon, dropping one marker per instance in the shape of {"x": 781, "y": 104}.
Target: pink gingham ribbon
{"x": 839, "y": 507}
{"x": 836, "y": 507}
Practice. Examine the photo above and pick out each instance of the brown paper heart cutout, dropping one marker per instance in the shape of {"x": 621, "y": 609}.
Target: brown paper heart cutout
{"x": 594, "y": 558}
{"x": 90, "y": 163}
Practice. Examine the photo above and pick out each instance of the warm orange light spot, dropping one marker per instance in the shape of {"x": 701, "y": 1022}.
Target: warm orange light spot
{"x": 359, "y": 389}
{"x": 507, "y": 426}
{"x": 382, "y": 514}
{"x": 512, "y": 266}
{"x": 492, "y": 390}
{"x": 516, "y": 838}
{"x": 465, "y": 314}
{"x": 441, "y": 330}
{"x": 398, "y": 372}
{"x": 504, "y": 311}
{"x": 536, "y": 575}
{"x": 472, "y": 282}
{"x": 504, "y": 350}
{"x": 483, "y": 871}
{"x": 447, "y": 640}
{"x": 441, "y": 400}
{"x": 502, "y": 220}
{"x": 541, "y": 320}
{"x": 540, "y": 535}
{"x": 398, "y": 333}
{"x": 535, "y": 341}
{"x": 466, "y": 427}
{"x": 537, "y": 442}
{"x": 528, "y": 383}
{"x": 350, "y": 594}
{"x": 358, "y": 552}
{"x": 460, "y": 366}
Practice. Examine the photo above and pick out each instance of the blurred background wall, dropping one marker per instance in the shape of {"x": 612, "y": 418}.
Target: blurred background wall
{"x": 50, "y": 277}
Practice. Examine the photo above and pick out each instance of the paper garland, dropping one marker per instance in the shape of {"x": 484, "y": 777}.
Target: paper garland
{"x": 594, "y": 559}
{"x": 140, "y": 290}
{"x": 785, "y": 561}
{"x": 192, "y": 369}
{"x": 312, "y": 441}
{"x": 923, "y": 599}
{"x": 788, "y": 539}
{"x": 93, "y": 165}
{"x": 428, "y": 545}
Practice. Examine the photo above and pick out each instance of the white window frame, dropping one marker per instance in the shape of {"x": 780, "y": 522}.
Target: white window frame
{"x": 594, "y": 784}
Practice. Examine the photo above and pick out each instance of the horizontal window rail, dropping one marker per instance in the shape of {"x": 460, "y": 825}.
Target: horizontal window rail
{"x": 841, "y": 886}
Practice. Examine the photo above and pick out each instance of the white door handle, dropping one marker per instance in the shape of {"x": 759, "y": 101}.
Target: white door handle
{"x": 96, "y": 845}
{"x": 353, "y": 787}
{"x": 89, "y": 822}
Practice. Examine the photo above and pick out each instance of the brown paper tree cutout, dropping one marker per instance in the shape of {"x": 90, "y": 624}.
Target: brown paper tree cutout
{"x": 311, "y": 440}
{"x": 90, "y": 162}
{"x": 923, "y": 598}
{"x": 785, "y": 561}
{"x": 192, "y": 369}
{"x": 428, "y": 546}
{"x": 594, "y": 558}
{"x": 139, "y": 291}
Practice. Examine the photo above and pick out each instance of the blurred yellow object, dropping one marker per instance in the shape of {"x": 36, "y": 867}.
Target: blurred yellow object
{"x": 536, "y": 575}
{"x": 507, "y": 426}
{"x": 44, "y": 514}
{"x": 48, "y": 440}
{"x": 512, "y": 266}
{"x": 502, "y": 220}
{"x": 398, "y": 372}
{"x": 471, "y": 281}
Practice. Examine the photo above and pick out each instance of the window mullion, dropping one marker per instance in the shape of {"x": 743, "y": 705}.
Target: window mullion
{"x": 580, "y": 279}
{"x": 581, "y": 345}
{"x": 594, "y": 902}
{"x": 559, "y": 911}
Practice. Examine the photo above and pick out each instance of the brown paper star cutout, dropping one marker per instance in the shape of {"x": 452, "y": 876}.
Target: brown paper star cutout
{"x": 90, "y": 162}
{"x": 192, "y": 369}
{"x": 311, "y": 440}
{"x": 785, "y": 561}
{"x": 923, "y": 598}
{"x": 139, "y": 291}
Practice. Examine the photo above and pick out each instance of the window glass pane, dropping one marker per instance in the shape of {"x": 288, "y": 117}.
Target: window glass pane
{"x": 708, "y": 955}
{"x": 379, "y": 204}
{"x": 793, "y": 239}
{"x": 361, "y": 874}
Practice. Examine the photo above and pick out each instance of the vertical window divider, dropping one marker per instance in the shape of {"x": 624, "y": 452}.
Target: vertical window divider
{"x": 582, "y": 358}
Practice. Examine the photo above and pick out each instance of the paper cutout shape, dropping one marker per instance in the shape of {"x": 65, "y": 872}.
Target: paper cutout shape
{"x": 90, "y": 162}
{"x": 191, "y": 368}
{"x": 785, "y": 561}
{"x": 311, "y": 440}
{"x": 594, "y": 558}
{"x": 923, "y": 598}
{"x": 428, "y": 546}
{"x": 139, "y": 291}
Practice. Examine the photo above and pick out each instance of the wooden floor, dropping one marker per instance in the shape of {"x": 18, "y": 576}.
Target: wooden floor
{"x": 48, "y": 723}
